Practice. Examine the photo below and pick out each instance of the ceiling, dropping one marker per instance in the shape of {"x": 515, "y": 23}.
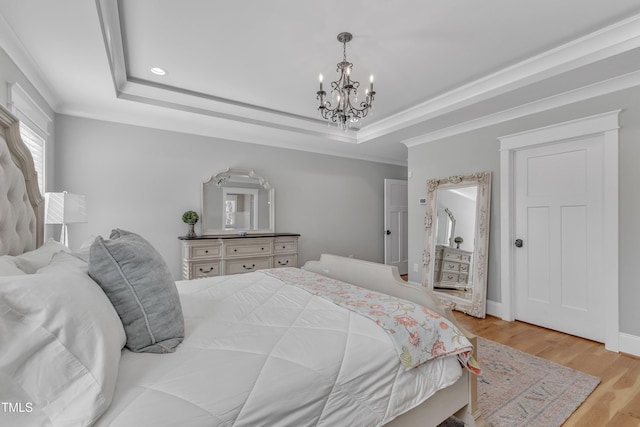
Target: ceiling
{"x": 247, "y": 70}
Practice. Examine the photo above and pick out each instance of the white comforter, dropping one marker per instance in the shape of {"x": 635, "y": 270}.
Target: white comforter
{"x": 258, "y": 352}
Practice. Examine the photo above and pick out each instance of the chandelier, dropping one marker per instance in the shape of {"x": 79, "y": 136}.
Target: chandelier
{"x": 343, "y": 108}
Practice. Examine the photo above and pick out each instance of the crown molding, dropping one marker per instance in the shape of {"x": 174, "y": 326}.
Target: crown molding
{"x": 559, "y": 100}
{"x": 14, "y": 48}
{"x": 601, "y": 44}
{"x": 205, "y": 126}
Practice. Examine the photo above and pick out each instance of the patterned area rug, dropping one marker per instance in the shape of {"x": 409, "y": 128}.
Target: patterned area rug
{"x": 518, "y": 389}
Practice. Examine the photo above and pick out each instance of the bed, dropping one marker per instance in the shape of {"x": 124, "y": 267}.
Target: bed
{"x": 281, "y": 347}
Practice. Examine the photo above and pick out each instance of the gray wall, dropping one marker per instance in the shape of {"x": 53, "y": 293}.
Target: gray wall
{"x": 143, "y": 179}
{"x": 478, "y": 151}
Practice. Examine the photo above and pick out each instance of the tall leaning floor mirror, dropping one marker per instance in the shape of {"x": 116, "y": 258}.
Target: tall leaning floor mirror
{"x": 457, "y": 241}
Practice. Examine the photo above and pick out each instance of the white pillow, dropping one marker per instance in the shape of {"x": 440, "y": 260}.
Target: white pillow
{"x": 65, "y": 261}
{"x": 85, "y": 248}
{"x": 8, "y": 266}
{"x": 61, "y": 341}
{"x": 31, "y": 261}
{"x": 86, "y": 245}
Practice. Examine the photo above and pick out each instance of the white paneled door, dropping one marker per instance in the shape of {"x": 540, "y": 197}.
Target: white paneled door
{"x": 559, "y": 237}
{"x": 396, "y": 245}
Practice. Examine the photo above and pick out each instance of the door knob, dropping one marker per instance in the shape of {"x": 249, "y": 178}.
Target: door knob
{"x": 518, "y": 243}
{"x": 388, "y": 232}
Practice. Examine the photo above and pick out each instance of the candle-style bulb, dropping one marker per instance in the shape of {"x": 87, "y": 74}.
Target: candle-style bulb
{"x": 320, "y": 78}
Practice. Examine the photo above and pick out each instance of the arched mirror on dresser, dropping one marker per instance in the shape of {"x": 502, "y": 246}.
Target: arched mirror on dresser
{"x": 457, "y": 241}
{"x": 237, "y": 201}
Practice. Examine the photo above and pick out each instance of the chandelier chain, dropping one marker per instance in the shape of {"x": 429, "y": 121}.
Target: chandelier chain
{"x": 344, "y": 51}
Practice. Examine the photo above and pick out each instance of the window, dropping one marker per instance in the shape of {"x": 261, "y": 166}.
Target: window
{"x": 35, "y": 143}
{"x": 34, "y": 124}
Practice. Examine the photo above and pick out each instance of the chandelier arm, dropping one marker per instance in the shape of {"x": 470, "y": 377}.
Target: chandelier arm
{"x": 364, "y": 105}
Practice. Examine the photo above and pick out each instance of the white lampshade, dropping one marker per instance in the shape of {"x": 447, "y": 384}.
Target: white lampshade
{"x": 64, "y": 208}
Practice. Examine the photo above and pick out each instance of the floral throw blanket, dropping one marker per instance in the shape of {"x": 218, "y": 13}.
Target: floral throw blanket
{"x": 419, "y": 334}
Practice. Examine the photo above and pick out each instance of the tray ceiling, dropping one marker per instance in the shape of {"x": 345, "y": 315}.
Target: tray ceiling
{"x": 248, "y": 70}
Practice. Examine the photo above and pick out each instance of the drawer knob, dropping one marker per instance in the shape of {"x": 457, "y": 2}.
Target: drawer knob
{"x": 262, "y": 249}
{"x": 283, "y": 263}
{"x": 248, "y": 268}
{"x": 206, "y": 251}
{"x": 235, "y": 250}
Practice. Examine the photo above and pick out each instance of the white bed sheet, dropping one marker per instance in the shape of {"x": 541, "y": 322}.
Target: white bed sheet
{"x": 258, "y": 352}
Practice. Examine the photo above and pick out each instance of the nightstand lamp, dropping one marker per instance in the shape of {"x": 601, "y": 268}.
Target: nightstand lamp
{"x": 64, "y": 208}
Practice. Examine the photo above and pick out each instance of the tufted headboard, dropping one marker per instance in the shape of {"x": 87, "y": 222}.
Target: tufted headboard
{"x": 21, "y": 204}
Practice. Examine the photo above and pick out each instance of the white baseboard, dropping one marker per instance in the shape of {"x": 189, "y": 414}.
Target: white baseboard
{"x": 629, "y": 344}
{"x": 494, "y": 308}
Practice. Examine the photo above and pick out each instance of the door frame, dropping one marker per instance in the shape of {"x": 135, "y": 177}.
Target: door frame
{"x": 387, "y": 226}
{"x": 604, "y": 125}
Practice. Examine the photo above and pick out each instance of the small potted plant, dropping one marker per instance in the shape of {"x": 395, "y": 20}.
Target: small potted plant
{"x": 190, "y": 218}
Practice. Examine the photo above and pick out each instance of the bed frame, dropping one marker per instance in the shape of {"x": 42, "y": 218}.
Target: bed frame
{"x": 459, "y": 399}
{"x": 18, "y": 235}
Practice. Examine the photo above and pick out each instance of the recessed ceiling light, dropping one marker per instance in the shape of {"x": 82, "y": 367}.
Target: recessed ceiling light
{"x": 158, "y": 71}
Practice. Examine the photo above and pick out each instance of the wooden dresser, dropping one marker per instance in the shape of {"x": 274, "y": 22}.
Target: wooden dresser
{"x": 452, "y": 267}
{"x": 223, "y": 254}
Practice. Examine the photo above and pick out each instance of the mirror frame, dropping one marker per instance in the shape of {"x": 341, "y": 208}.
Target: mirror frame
{"x": 477, "y": 305}
{"x": 223, "y": 177}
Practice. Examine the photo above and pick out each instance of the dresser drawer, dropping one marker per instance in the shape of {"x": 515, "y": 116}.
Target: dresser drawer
{"x": 237, "y": 266}
{"x": 285, "y": 261}
{"x": 452, "y": 256}
{"x": 248, "y": 248}
{"x": 202, "y": 269}
{"x": 449, "y": 277}
{"x": 464, "y": 268}
{"x": 202, "y": 251}
{"x": 285, "y": 246}
{"x": 450, "y": 266}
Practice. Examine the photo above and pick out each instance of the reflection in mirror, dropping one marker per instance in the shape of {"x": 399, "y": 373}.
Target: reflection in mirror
{"x": 453, "y": 262}
{"x": 237, "y": 200}
{"x": 446, "y": 225}
{"x": 240, "y": 208}
{"x": 457, "y": 237}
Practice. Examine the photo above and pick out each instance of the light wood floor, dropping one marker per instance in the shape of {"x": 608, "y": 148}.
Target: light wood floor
{"x": 616, "y": 400}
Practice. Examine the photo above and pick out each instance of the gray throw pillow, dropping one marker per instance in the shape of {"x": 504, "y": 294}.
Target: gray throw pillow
{"x": 140, "y": 286}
